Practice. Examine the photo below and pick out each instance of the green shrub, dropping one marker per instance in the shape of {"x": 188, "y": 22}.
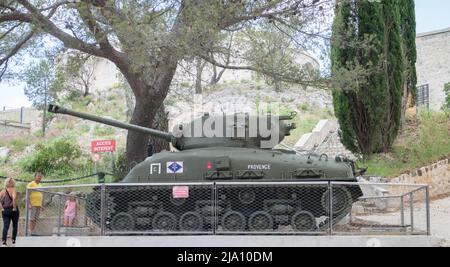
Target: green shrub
{"x": 38, "y": 133}
{"x": 87, "y": 100}
{"x": 103, "y": 130}
{"x": 285, "y": 110}
{"x": 185, "y": 84}
{"x": 303, "y": 107}
{"x": 56, "y": 156}
{"x": 74, "y": 95}
{"x": 112, "y": 97}
{"x": 84, "y": 128}
{"x": 19, "y": 144}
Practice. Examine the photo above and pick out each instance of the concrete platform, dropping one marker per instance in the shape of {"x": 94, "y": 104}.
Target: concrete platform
{"x": 230, "y": 241}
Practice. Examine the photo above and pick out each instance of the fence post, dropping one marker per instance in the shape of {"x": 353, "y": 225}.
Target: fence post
{"x": 411, "y": 206}
{"x": 59, "y": 215}
{"x": 27, "y": 213}
{"x": 102, "y": 209}
{"x": 85, "y": 216}
{"x": 402, "y": 213}
{"x": 427, "y": 193}
{"x": 215, "y": 200}
{"x": 21, "y": 115}
{"x": 330, "y": 195}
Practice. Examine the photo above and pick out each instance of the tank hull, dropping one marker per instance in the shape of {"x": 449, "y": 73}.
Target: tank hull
{"x": 255, "y": 190}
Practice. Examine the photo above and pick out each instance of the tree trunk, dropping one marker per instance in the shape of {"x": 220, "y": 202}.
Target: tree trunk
{"x": 149, "y": 112}
{"x": 86, "y": 90}
{"x": 147, "y": 115}
{"x": 213, "y": 80}
{"x": 198, "y": 78}
{"x": 405, "y": 101}
{"x": 143, "y": 115}
{"x": 160, "y": 122}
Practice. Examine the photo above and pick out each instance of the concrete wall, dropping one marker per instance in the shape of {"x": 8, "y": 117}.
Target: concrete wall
{"x": 312, "y": 140}
{"x": 324, "y": 139}
{"x": 105, "y": 75}
{"x": 19, "y": 115}
{"x": 433, "y": 64}
{"x": 13, "y": 129}
{"x": 21, "y": 121}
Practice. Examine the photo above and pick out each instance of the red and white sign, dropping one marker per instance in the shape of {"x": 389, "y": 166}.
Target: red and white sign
{"x": 99, "y": 146}
{"x": 180, "y": 192}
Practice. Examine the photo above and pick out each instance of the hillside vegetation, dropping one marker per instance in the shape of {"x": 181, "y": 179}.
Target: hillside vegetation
{"x": 65, "y": 150}
{"x": 424, "y": 139}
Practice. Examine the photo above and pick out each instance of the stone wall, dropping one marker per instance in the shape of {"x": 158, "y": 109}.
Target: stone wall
{"x": 21, "y": 121}
{"x": 436, "y": 175}
{"x": 433, "y": 64}
{"x": 13, "y": 129}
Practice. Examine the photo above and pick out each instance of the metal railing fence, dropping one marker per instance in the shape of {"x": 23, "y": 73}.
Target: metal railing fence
{"x": 223, "y": 208}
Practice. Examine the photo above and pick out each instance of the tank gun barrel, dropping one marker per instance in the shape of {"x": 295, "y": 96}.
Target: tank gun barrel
{"x": 288, "y": 117}
{"x": 156, "y": 133}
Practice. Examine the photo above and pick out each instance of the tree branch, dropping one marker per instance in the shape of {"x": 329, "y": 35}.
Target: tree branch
{"x": 261, "y": 12}
{"x": 290, "y": 79}
{"x": 5, "y": 5}
{"x": 16, "y": 48}
{"x": 15, "y": 16}
{"x": 10, "y": 30}
{"x": 68, "y": 40}
{"x": 95, "y": 29}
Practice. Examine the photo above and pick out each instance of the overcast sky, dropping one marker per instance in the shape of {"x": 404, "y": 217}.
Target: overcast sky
{"x": 430, "y": 14}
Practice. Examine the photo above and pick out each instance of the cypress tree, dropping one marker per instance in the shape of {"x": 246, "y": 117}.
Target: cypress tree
{"x": 408, "y": 34}
{"x": 394, "y": 71}
{"x": 344, "y": 31}
{"x": 369, "y": 114}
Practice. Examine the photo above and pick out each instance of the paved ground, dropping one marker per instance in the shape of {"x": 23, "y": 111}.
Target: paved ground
{"x": 440, "y": 220}
{"x": 230, "y": 241}
{"x": 439, "y": 216}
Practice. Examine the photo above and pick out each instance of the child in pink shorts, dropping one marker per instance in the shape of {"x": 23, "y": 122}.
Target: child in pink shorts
{"x": 70, "y": 210}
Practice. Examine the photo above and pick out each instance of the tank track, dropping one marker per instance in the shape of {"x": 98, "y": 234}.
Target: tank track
{"x": 240, "y": 209}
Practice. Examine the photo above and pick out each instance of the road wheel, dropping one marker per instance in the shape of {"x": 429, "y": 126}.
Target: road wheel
{"x": 165, "y": 221}
{"x": 191, "y": 221}
{"x": 233, "y": 221}
{"x": 260, "y": 221}
{"x": 122, "y": 222}
{"x": 303, "y": 221}
{"x": 341, "y": 200}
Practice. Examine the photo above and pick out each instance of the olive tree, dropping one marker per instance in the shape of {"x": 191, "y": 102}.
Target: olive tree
{"x": 146, "y": 39}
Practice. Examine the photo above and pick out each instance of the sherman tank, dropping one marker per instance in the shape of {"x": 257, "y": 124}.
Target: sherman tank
{"x": 259, "y": 195}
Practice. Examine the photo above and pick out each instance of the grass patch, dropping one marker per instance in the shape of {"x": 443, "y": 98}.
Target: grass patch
{"x": 19, "y": 144}
{"x": 306, "y": 120}
{"x": 101, "y": 130}
{"x": 424, "y": 140}
{"x": 84, "y": 128}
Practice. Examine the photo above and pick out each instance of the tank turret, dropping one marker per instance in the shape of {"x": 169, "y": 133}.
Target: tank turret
{"x": 237, "y": 130}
